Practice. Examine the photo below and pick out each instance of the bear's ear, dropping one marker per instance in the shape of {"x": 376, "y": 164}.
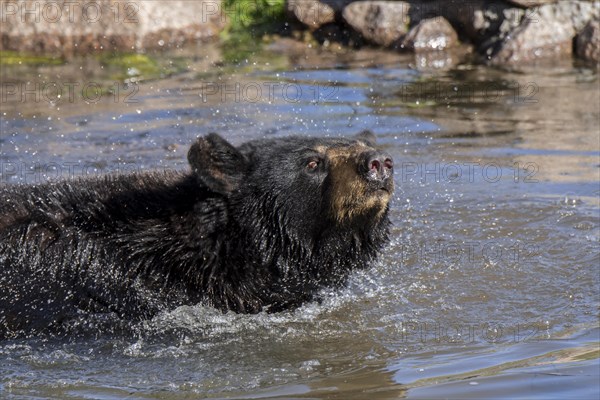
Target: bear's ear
{"x": 368, "y": 137}
{"x": 216, "y": 163}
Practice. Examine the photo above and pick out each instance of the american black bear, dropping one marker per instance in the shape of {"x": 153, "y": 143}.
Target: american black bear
{"x": 262, "y": 226}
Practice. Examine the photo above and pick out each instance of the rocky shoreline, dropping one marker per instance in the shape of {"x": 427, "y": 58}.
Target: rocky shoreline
{"x": 505, "y": 33}
{"x": 500, "y": 33}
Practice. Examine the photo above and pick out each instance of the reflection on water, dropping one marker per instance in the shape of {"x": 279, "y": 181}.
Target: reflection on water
{"x": 489, "y": 286}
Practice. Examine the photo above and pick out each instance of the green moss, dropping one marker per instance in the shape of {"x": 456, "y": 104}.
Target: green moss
{"x": 249, "y": 21}
{"x": 254, "y": 16}
{"x": 15, "y": 58}
{"x": 122, "y": 66}
{"x": 128, "y": 65}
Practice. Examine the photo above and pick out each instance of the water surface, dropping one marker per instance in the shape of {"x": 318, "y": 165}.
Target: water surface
{"x": 489, "y": 287}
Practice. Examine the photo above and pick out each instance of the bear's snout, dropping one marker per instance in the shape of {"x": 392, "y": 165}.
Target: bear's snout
{"x": 377, "y": 167}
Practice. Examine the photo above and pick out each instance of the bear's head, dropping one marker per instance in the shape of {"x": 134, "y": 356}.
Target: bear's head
{"x": 309, "y": 185}
{"x": 307, "y": 210}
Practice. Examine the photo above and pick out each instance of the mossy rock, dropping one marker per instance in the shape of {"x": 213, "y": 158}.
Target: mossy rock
{"x": 8, "y": 58}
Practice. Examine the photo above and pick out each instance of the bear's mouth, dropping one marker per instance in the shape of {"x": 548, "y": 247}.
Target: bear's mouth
{"x": 381, "y": 192}
{"x": 381, "y": 188}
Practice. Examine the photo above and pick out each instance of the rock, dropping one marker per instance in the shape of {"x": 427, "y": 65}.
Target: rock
{"x": 316, "y": 13}
{"x": 380, "y": 22}
{"x": 531, "y": 3}
{"x": 546, "y": 32}
{"x": 431, "y": 34}
{"x": 475, "y": 20}
{"x": 588, "y": 41}
{"x": 533, "y": 41}
{"x": 494, "y": 21}
{"x": 68, "y": 27}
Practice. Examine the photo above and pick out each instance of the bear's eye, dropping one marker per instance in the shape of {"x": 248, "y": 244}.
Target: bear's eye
{"x": 312, "y": 165}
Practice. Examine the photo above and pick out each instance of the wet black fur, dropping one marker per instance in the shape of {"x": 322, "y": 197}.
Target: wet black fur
{"x": 246, "y": 230}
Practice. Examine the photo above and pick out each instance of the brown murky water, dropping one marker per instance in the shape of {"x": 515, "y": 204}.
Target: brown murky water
{"x": 488, "y": 289}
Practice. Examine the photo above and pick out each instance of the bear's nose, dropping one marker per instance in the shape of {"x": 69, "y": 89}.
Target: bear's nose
{"x": 377, "y": 166}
